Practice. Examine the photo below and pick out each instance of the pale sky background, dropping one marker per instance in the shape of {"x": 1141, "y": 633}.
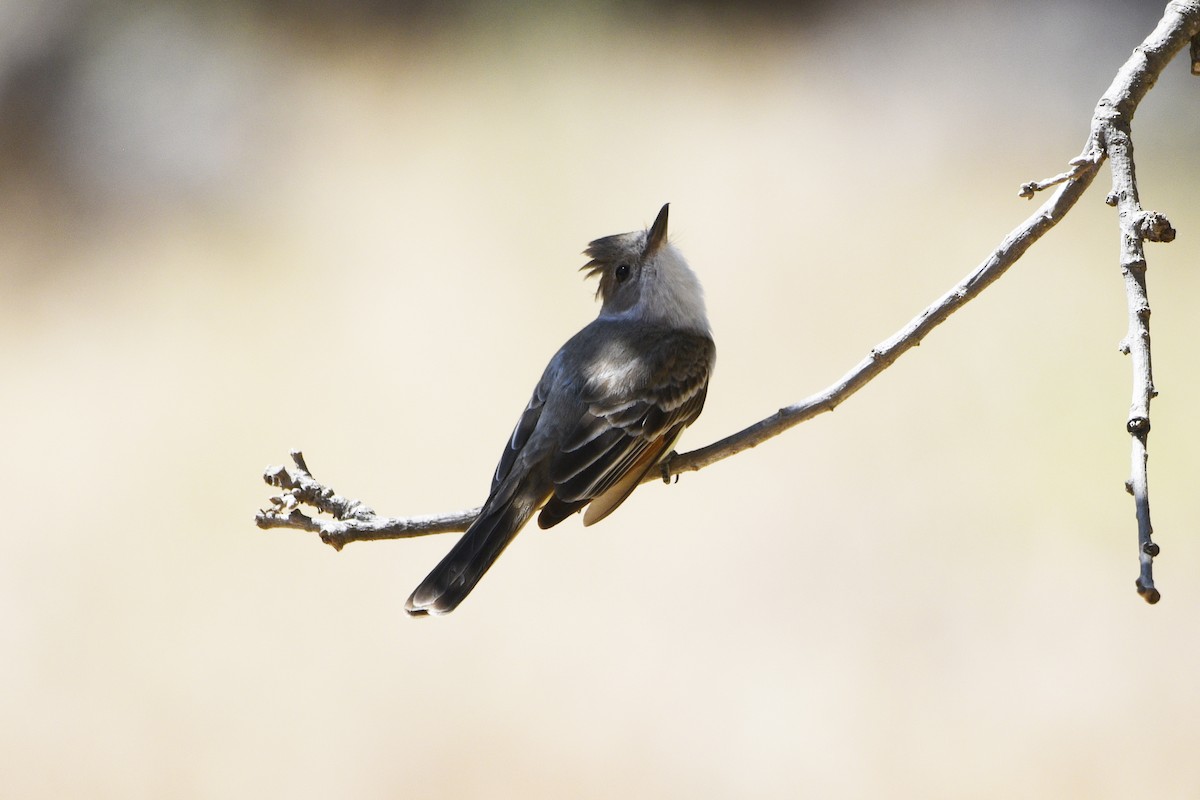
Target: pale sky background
{"x": 228, "y": 230}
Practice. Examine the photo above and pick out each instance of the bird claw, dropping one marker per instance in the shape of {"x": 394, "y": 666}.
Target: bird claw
{"x": 666, "y": 468}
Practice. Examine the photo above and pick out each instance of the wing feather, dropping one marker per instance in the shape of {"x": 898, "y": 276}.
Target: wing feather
{"x": 521, "y": 433}
{"x": 622, "y": 435}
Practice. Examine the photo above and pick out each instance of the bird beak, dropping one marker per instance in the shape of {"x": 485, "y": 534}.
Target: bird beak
{"x": 658, "y": 232}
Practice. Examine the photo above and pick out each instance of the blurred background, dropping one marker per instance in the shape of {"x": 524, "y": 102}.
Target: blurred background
{"x": 228, "y": 229}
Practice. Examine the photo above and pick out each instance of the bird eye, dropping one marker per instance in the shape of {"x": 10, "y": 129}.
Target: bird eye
{"x": 622, "y": 273}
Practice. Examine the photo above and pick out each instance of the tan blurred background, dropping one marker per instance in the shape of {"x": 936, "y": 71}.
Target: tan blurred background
{"x": 230, "y": 229}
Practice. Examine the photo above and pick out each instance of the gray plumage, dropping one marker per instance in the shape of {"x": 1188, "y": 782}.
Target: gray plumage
{"x": 610, "y": 405}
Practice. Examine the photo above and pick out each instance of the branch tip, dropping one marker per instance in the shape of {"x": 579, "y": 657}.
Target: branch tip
{"x": 298, "y": 457}
{"x": 1148, "y": 593}
{"x": 1030, "y": 188}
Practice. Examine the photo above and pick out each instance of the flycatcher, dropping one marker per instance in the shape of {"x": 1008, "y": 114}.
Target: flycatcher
{"x": 608, "y": 409}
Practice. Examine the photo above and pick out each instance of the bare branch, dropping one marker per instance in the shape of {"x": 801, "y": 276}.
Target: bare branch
{"x": 1079, "y": 165}
{"x": 1108, "y": 137}
{"x": 1112, "y": 125}
{"x": 352, "y": 521}
{"x": 886, "y": 352}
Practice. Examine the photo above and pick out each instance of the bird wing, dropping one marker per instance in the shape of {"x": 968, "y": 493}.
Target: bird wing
{"x": 521, "y": 433}
{"x": 623, "y": 434}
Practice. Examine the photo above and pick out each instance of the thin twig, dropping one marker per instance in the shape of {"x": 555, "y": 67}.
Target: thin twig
{"x": 1136, "y": 344}
{"x": 1112, "y": 127}
{"x": 1137, "y": 226}
{"x": 1078, "y": 165}
{"x": 352, "y": 521}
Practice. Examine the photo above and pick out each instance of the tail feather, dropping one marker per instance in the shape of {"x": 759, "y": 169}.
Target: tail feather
{"x": 456, "y": 575}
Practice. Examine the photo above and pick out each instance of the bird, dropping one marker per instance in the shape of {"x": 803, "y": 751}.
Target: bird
{"x": 609, "y": 407}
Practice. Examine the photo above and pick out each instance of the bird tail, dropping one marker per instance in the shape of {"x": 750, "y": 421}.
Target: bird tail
{"x": 453, "y": 579}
